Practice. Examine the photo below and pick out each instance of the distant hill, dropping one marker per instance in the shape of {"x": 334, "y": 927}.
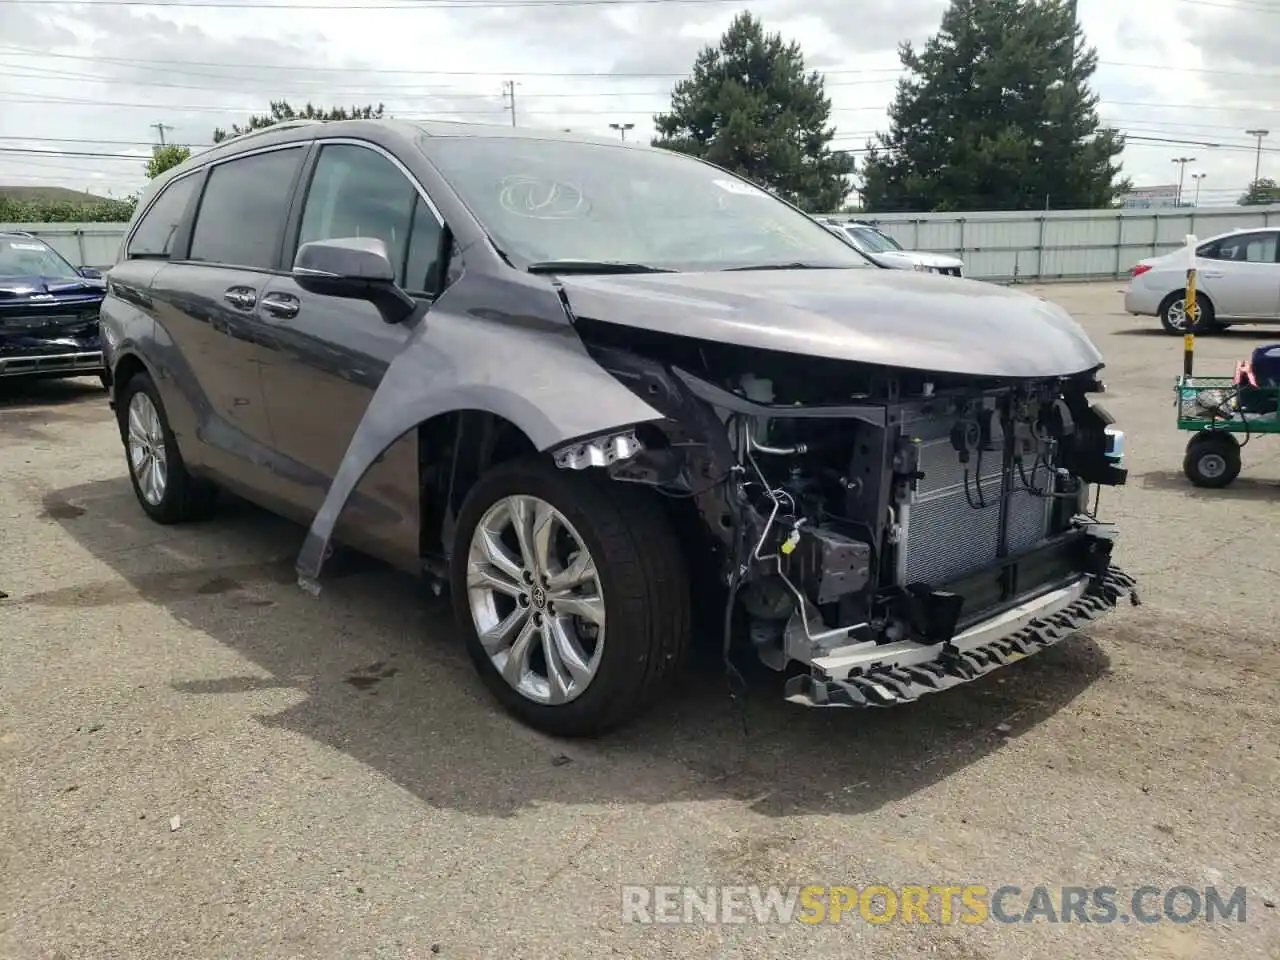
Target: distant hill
{"x": 48, "y": 195}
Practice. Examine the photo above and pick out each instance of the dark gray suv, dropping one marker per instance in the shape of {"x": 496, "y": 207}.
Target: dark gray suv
{"x": 601, "y": 389}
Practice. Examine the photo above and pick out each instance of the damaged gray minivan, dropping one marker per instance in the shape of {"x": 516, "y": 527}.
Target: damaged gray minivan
{"x": 601, "y": 389}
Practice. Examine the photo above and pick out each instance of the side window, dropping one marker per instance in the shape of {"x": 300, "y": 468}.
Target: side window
{"x": 243, "y": 210}
{"x": 156, "y": 230}
{"x": 1261, "y": 248}
{"x": 357, "y": 192}
{"x": 1208, "y": 250}
{"x": 1249, "y": 248}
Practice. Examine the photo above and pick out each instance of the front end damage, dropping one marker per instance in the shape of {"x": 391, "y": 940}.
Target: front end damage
{"x": 880, "y": 533}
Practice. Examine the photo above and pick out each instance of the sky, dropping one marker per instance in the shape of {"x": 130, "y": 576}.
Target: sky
{"x": 86, "y": 88}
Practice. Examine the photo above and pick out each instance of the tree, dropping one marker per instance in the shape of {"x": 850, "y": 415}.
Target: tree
{"x": 996, "y": 114}
{"x": 1261, "y": 191}
{"x": 751, "y": 108}
{"x": 281, "y": 111}
{"x": 66, "y": 211}
{"x": 166, "y": 158}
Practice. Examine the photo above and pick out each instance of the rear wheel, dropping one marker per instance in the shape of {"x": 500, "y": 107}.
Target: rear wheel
{"x": 164, "y": 488}
{"x": 1174, "y": 318}
{"x": 571, "y": 594}
{"x": 1212, "y": 459}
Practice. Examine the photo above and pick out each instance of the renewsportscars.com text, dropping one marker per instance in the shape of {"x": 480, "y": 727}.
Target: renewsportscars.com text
{"x": 935, "y": 904}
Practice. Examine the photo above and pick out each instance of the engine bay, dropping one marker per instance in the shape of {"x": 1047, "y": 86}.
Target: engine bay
{"x": 852, "y": 504}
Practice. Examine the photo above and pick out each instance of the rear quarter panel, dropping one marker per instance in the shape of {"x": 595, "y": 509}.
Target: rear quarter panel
{"x": 126, "y": 321}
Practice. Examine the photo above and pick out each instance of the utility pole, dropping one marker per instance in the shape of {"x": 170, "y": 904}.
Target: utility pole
{"x": 622, "y": 128}
{"x": 1257, "y": 161}
{"x": 1197, "y": 177}
{"x": 1182, "y": 169}
{"x": 509, "y": 95}
{"x": 161, "y": 128}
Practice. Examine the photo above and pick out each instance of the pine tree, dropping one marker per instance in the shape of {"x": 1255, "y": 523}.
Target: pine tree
{"x": 750, "y": 107}
{"x": 996, "y": 114}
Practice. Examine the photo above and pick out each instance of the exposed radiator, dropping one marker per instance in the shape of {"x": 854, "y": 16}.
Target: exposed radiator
{"x": 951, "y": 533}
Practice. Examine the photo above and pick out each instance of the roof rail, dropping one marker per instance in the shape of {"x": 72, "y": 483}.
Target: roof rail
{"x": 282, "y": 125}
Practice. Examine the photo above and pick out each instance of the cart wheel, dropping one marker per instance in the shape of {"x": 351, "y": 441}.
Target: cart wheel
{"x": 1212, "y": 460}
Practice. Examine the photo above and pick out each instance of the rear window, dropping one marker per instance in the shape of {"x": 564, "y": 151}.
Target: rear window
{"x": 159, "y": 225}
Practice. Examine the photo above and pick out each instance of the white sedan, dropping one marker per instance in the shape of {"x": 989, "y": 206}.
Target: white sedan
{"x": 1237, "y": 281}
{"x": 883, "y": 250}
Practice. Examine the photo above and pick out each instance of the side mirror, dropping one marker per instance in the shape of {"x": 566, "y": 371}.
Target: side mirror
{"x": 90, "y": 273}
{"x": 356, "y": 268}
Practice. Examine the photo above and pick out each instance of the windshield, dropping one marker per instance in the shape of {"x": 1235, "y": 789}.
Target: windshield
{"x": 25, "y": 257}
{"x": 868, "y": 239}
{"x": 549, "y": 201}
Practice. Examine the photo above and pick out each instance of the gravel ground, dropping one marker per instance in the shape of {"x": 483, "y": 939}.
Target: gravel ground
{"x": 342, "y": 786}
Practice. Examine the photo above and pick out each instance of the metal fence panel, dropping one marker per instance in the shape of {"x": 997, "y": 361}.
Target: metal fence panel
{"x": 84, "y": 244}
{"x": 1006, "y": 246}
{"x": 1035, "y": 245}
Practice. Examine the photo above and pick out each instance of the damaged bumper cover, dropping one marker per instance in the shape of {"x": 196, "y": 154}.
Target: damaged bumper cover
{"x": 890, "y": 674}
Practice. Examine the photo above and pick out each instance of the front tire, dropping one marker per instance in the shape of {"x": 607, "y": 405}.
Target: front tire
{"x": 571, "y": 594}
{"x": 164, "y": 488}
{"x": 1212, "y": 459}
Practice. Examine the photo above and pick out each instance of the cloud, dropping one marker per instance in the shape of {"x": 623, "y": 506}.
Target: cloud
{"x": 89, "y": 81}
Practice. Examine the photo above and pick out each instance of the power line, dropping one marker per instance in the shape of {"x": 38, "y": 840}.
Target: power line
{"x": 453, "y": 94}
{"x": 493, "y": 111}
{"x": 106, "y": 155}
{"x": 18, "y": 50}
{"x": 113, "y": 143}
{"x": 329, "y": 89}
{"x": 466, "y": 4}
{"x": 367, "y": 4}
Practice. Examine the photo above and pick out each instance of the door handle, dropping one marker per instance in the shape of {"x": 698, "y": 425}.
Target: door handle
{"x": 242, "y": 298}
{"x": 1213, "y": 275}
{"x": 283, "y": 305}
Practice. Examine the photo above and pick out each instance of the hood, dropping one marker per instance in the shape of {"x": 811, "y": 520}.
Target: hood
{"x": 23, "y": 288}
{"x": 922, "y": 257}
{"x": 893, "y": 318}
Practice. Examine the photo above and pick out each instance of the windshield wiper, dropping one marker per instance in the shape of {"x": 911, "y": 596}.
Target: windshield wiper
{"x": 797, "y": 265}
{"x": 593, "y": 266}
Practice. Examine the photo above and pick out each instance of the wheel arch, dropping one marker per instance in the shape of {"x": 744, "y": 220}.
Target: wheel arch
{"x": 127, "y": 366}
{"x": 456, "y": 448}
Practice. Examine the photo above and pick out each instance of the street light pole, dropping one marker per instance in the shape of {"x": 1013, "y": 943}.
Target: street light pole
{"x": 622, "y": 129}
{"x": 1182, "y": 169}
{"x": 1257, "y": 160}
{"x": 1197, "y": 177}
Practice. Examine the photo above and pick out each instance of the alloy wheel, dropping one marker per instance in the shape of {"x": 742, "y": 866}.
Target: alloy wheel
{"x": 148, "y": 459}
{"x": 536, "y": 599}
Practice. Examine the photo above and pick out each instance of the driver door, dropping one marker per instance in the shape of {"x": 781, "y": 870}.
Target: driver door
{"x": 329, "y": 354}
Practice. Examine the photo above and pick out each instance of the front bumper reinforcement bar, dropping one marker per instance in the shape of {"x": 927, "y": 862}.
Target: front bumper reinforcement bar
{"x": 888, "y": 685}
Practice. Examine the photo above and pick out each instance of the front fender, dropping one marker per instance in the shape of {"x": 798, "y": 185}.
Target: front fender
{"x": 534, "y": 373}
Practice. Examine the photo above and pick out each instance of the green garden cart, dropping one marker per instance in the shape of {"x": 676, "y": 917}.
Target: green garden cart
{"x": 1217, "y": 410}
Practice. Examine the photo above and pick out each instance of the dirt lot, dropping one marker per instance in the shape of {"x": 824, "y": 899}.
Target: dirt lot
{"x": 344, "y": 787}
